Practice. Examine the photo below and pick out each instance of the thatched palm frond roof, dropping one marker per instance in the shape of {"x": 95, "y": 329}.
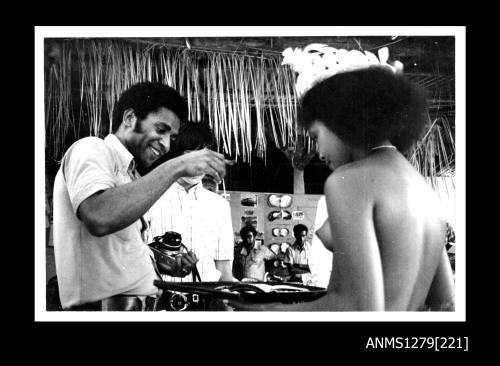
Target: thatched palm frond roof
{"x": 237, "y": 84}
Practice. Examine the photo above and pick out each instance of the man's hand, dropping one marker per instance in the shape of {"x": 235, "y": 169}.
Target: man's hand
{"x": 186, "y": 262}
{"x": 181, "y": 266}
{"x": 204, "y": 161}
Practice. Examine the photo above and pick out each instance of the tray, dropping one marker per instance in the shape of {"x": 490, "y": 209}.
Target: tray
{"x": 260, "y": 292}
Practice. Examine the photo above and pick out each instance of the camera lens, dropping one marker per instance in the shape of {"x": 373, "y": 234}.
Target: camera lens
{"x": 178, "y": 302}
{"x": 171, "y": 241}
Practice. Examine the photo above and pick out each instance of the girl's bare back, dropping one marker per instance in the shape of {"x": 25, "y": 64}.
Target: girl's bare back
{"x": 396, "y": 230}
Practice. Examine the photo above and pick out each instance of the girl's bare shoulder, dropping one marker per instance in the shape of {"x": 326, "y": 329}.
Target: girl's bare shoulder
{"x": 359, "y": 175}
{"x": 349, "y": 185}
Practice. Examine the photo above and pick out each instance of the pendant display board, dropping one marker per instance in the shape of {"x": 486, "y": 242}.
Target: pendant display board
{"x": 273, "y": 214}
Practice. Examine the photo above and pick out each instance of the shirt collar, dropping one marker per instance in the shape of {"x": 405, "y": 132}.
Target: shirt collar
{"x": 255, "y": 248}
{"x": 125, "y": 158}
{"x": 195, "y": 190}
{"x": 296, "y": 246}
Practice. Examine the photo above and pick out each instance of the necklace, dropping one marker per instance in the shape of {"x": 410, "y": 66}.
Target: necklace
{"x": 383, "y": 146}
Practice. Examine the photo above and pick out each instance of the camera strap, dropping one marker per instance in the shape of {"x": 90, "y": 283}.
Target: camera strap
{"x": 194, "y": 271}
{"x": 196, "y": 274}
{"x": 155, "y": 266}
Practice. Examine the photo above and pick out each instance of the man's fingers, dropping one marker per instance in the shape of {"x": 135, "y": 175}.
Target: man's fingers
{"x": 206, "y": 162}
{"x": 216, "y": 155}
{"x": 217, "y": 162}
{"x": 193, "y": 256}
{"x": 213, "y": 155}
{"x": 214, "y": 169}
{"x": 186, "y": 263}
{"x": 214, "y": 173}
{"x": 163, "y": 268}
{"x": 189, "y": 260}
{"x": 178, "y": 261}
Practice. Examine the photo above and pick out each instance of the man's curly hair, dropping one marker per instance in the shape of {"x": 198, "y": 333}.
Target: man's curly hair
{"x": 147, "y": 97}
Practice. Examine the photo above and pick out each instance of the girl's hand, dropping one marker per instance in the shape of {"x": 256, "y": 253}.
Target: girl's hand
{"x": 241, "y": 305}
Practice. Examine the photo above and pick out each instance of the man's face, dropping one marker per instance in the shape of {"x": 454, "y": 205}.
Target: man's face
{"x": 301, "y": 237}
{"x": 150, "y": 138}
{"x": 248, "y": 239}
{"x": 209, "y": 183}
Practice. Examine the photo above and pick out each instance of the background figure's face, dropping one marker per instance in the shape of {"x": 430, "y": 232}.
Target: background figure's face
{"x": 150, "y": 138}
{"x": 301, "y": 237}
{"x": 209, "y": 183}
{"x": 248, "y": 239}
{"x": 188, "y": 182}
{"x": 331, "y": 149}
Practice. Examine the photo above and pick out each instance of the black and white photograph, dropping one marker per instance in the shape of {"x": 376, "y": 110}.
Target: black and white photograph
{"x": 258, "y": 173}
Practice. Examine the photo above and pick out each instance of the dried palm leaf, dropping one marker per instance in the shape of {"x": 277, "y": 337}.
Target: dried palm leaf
{"x": 233, "y": 85}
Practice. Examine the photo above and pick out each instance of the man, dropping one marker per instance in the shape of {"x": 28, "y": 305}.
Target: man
{"x": 202, "y": 217}
{"x": 250, "y": 258}
{"x": 102, "y": 261}
{"x": 297, "y": 256}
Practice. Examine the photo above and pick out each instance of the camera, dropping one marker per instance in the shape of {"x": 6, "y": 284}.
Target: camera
{"x": 174, "y": 300}
{"x": 165, "y": 248}
{"x": 181, "y": 301}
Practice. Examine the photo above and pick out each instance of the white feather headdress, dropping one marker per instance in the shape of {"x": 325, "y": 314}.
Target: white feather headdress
{"x": 319, "y": 61}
